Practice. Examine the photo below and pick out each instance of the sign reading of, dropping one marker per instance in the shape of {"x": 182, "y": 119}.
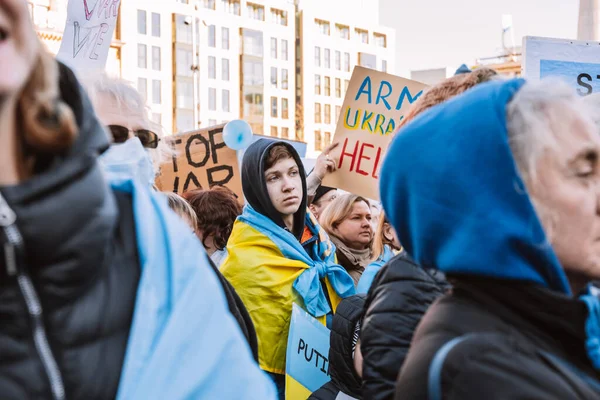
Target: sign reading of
{"x": 201, "y": 160}
{"x": 575, "y": 61}
{"x": 307, "y": 357}
{"x": 374, "y": 105}
{"x": 88, "y": 33}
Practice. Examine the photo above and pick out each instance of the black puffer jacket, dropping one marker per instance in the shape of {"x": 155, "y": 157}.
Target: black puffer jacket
{"x": 400, "y": 295}
{"x": 341, "y": 358}
{"x": 77, "y": 270}
{"x": 524, "y": 342}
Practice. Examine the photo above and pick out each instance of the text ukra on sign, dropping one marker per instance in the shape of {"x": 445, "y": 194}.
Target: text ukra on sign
{"x": 374, "y": 105}
{"x": 201, "y": 160}
{"x": 88, "y": 33}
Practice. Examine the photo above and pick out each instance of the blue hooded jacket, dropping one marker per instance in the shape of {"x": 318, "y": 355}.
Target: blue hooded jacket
{"x": 183, "y": 343}
{"x": 450, "y": 187}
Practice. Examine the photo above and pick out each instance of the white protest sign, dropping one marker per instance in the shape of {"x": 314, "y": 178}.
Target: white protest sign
{"x": 575, "y": 61}
{"x": 88, "y": 33}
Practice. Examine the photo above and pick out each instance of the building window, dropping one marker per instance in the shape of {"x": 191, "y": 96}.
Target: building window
{"x": 317, "y": 113}
{"x": 142, "y": 87}
{"x": 323, "y": 26}
{"x": 253, "y": 73}
{"x": 183, "y": 61}
{"x": 327, "y": 138}
{"x": 317, "y": 84}
{"x": 284, "y": 78}
{"x": 156, "y": 91}
{"x": 184, "y": 120}
{"x": 318, "y": 141}
{"x": 273, "y": 47}
{"x": 155, "y": 24}
{"x": 284, "y": 109}
{"x": 317, "y": 56}
{"x": 185, "y": 93}
{"x": 210, "y": 4}
{"x": 225, "y": 69}
{"x": 367, "y": 60}
{"x": 347, "y": 62}
{"x": 212, "y": 99}
{"x": 212, "y": 36}
{"x": 380, "y": 39}
{"x": 142, "y": 56}
{"x": 327, "y": 58}
{"x": 285, "y": 133}
{"x": 338, "y": 60}
{"x": 338, "y": 87}
{"x": 212, "y": 67}
{"x": 225, "y": 38}
{"x": 338, "y": 110}
{"x": 343, "y": 31}
{"x": 157, "y": 118}
{"x": 279, "y": 17}
{"x": 327, "y": 114}
{"x": 232, "y": 6}
{"x": 274, "y": 107}
{"x": 156, "y": 60}
{"x": 252, "y": 43}
{"x": 327, "y": 86}
{"x": 256, "y": 11}
{"x": 141, "y": 22}
{"x": 274, "y": 132}
{"x": 225, "y": 100}
{"x": 273, "y": 76}
{"x": 362, "y": 35}
{"x": 183, "y": 31}
{"x": 284, "y": 49}
{"x": 383, "y": 66}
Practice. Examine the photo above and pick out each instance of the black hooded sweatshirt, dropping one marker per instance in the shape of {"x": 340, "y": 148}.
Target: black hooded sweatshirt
{"x": 255, "y": 185}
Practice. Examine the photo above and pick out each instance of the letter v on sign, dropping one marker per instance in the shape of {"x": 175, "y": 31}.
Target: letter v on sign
{"x": 89, "y": 13}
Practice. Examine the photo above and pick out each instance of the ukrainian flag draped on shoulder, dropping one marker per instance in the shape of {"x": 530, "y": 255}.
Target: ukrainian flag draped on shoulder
{"x": 270, "y": 270}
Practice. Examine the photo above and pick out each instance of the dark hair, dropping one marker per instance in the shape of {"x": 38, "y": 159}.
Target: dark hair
{"x": 217, "y": 210}
{"x": 277, "y": 153}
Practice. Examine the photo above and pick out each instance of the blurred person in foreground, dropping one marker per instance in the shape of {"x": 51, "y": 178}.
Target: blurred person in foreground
{"x": 278, "y": 254}
{"x": 347, "y": 220}
{"x": 402, "y": 291}
{"x": 102, "y": 294}
{"x": 216, "y": 210}
{"x": 513, "y": 219}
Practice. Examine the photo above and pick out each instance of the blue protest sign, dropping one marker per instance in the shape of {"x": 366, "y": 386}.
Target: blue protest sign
{"x": 307, "y": 358}
{"x": 584, "y": 77}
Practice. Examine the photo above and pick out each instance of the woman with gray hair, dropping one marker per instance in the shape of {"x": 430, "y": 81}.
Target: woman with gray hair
{"x": 137, "y": 148}
{"x": 504, "y": 197}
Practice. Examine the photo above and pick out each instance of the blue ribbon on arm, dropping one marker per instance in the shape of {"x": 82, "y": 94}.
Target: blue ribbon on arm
{"x": 308, "y": 284}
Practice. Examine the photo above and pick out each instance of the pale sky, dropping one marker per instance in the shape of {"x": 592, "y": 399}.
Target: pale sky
{"x": 447, "y": 33}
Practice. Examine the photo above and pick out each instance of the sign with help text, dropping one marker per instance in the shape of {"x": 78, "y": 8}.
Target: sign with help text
{"x": 88, "y": 33}
{"x": 201, "y": 160}
{"x": 577, "y": 62}
{"x": 374, "y": 105}
{"x": 307, "y": 358}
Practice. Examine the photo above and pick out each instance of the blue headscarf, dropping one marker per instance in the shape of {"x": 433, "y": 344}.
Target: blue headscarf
{"x": 453, "y": 193}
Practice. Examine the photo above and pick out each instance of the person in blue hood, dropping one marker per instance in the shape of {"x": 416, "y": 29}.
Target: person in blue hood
{"x": 104, "y": 292}
{"x": 502, "y": 193}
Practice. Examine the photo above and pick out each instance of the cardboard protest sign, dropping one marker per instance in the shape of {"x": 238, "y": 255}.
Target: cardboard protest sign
{"x": 201, "y": 160}
{"x": 576, "y": 62}
{"x": 307, "y": 357}
{"x": 88, "y": 33}
{"x": 374, "y": 105}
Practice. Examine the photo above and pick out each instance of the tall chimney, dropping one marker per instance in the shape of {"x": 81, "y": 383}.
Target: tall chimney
{"x": 589, "y": 22}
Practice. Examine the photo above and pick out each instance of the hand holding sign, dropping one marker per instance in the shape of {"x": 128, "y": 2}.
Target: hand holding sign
{"x": 325, "y": 164}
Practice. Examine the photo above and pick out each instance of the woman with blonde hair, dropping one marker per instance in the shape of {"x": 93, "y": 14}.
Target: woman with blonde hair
{"x": 347, "y": 220}
{"x": 385, "y": 247}
{"x": 100, "y": 283}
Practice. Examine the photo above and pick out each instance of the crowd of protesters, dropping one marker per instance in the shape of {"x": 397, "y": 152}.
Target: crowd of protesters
{"x": 473, "y": 278}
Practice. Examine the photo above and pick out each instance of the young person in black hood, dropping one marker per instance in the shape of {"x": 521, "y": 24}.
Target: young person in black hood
{"x": 278, "y": 254}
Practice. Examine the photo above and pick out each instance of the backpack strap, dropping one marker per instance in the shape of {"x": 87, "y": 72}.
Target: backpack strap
{"x": 434, "y": 382}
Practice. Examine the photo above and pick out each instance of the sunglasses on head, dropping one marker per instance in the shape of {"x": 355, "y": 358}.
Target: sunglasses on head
{"x": 148, "y": 138}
